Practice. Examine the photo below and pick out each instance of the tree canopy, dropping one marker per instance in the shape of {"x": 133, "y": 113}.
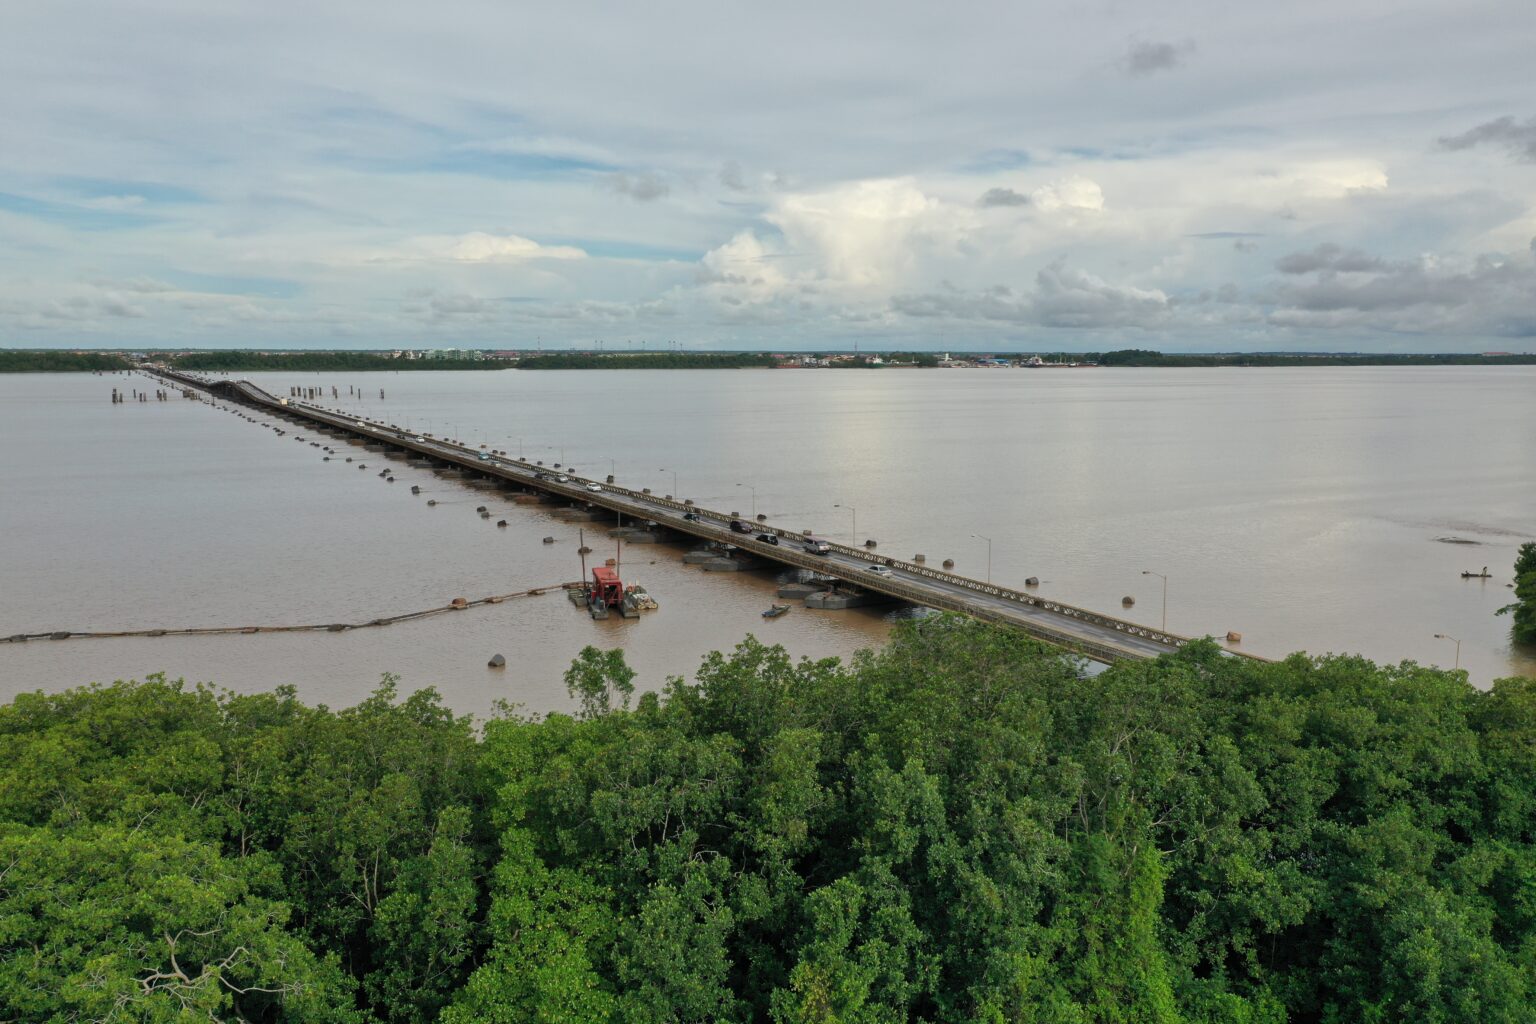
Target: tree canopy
{"x": 1523, "y": 610}
{"x": 959, "y": 827}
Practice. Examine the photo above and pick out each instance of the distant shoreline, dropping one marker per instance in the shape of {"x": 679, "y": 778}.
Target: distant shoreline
{"x": 244, "y": 361}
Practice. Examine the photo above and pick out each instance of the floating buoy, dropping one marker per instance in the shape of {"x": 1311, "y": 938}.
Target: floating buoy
{"x": 497, "y": 661}
{"x": 949, "y": 563}
{"x": 479, "y": 508}
{"x": 459, "y": 603}
{"x": 919, "y": 559}
{"x": 431, "y": 502}
{"x": 501, "y": 523}
{"x": 1127, "y": 600}
{"x": 583, "y": 550}
{"x": 549, "y": 540}
{"x": 415, "y": 488}
{"x": 869, "y": 543}
{"x": 1033, "y": 581}
{"x": 1234, "y": 637}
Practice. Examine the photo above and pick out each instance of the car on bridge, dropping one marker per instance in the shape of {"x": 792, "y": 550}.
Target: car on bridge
{"x": 594, "y": 487}
{"x": 815, "y": 546}
{"x": 768, "y": 538}
{"x": 883, "y": 571}
{"x": 692, "y": 517}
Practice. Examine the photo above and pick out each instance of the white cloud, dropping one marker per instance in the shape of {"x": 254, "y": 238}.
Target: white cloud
{"x": 474, "y": 247}
{"x": 1071, "y": 195}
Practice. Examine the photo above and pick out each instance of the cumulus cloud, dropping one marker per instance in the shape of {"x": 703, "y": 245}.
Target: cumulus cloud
{"x": 1148, "y": 58}
{"x": 1518, "y": 138}
{"x": 640, "y": 187}
{"x": 1002, "y": 197}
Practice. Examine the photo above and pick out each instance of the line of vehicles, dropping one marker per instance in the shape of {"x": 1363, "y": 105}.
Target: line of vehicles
{"x": 811, "y": 545}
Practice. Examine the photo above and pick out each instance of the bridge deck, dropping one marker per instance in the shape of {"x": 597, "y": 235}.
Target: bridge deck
{"x": 1092, "y": 634}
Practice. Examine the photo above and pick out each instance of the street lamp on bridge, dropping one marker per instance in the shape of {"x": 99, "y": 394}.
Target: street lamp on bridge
{"x": 1447, "y": 636}
{"x": 1149, "y": 572}
{"x": 989, "y": 554}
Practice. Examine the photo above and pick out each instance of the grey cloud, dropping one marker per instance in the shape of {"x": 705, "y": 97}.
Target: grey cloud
{"x": 1002, "y": 197}
{"x": 730, "y": 176}
{"x": 1150, "y": 58}
{"x": 117, "y": 307}
{"x": 1328, "y": 258}
{"x": 1494, "y": 295}
{"x": 456, "y": 305}
{"x": 640, "y": 187}
{"x": 1516, "y": 137}
{"x": 1067, "y": 297}
{"x": 1063, "y": 297}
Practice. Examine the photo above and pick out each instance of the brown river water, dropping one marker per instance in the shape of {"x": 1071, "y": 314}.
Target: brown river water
{"x": 1308, "y": 509}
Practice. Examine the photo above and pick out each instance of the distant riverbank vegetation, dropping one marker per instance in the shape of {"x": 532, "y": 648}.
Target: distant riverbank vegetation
{"x": 52, "y": 361}
{"x": 645, "y": 361}
{"x": 1145, "y": 357}
{"x": 246, "y": 362}
{"x": 956, "y": 828}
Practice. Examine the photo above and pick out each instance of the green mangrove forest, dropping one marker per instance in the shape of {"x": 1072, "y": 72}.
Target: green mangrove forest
{"x": 957, "y": 827}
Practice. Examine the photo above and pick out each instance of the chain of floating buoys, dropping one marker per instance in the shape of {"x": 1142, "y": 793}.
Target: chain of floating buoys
{"x": 457, "y": 604}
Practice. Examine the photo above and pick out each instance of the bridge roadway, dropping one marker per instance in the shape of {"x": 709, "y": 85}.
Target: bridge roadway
{"x": 1092, "y": 634}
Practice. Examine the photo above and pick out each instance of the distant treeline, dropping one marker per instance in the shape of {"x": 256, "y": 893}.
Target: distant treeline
{"x": 18, "y": 361}
{"x": 645, "y": 361}
{"x": 312, "y": 361}
{"x": 1146, "y": 357}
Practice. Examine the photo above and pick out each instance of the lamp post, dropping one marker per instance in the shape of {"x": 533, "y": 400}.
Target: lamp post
{"x": 754, "y": 497}
{"x": 855, "y": 524}
{"x": 674, "y": 479}
{"x": 1149, "y": 572}
{"x": 612, "y": 467}
{"x": 1447, "y": 636}
{"x": 989, "y": 554}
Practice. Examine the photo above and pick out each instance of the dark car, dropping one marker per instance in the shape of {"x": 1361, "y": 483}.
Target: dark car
{"x": 740, "y": 526}
{"x": 692, "y": 517}
{"x": 768, "y": 538}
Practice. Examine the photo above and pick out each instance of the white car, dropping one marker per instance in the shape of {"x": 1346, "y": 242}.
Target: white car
{"x": 421, "y": 439}
{"x": 594, "y": 487}
{"x": 880, "y": 570}
{"x": 562, "y": 478}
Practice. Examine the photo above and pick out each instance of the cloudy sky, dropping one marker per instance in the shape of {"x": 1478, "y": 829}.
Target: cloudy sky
{"x": 1338, "y": 175}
